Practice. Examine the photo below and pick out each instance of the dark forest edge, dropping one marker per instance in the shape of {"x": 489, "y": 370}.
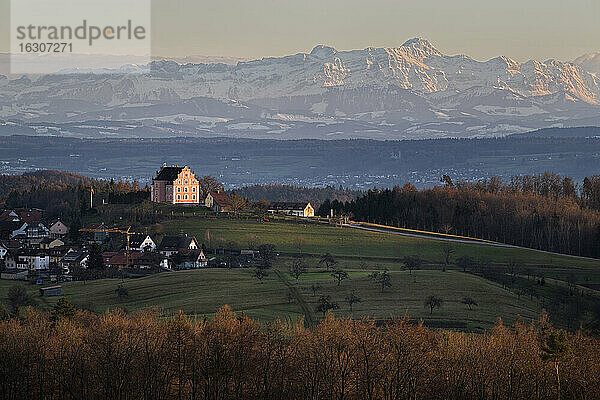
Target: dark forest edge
{"x": 74, "y": 354}
{"x": 545, "y": 212}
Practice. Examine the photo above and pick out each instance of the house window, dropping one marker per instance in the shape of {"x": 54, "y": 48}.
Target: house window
{"x": 178, "y": 189}
{"x": 185, "y": 197}
{"x": 193, "y": 197}
{"x": 194, "y": 189}
{"x": 178, "y": 197}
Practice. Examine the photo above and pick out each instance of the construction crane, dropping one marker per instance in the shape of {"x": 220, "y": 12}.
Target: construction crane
{"x": 127, "y": 232}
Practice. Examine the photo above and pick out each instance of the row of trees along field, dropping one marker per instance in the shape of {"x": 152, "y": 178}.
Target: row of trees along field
{"x": 546, "y": 211}
{"x": 68, "y": 354}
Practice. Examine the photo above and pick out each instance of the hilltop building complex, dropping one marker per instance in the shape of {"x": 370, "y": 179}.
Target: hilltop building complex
{"x": 175, "y": 185}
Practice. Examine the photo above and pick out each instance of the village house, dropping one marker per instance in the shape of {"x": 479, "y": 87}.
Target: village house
{"x": 190, "y": 259}
{"x": 107, "y": 255}
{"x": 293, "y": 209}
{"x": 11, "y": 229}
{"x": 58, "y": 229}
{"x": 14, "y": 223}
{"x": 28, "y": 215}
{"x": 120, "y": 259}
{"x": 218, "y": 201}
{"x": 74, "y": 259}
{"x": 174, "y": 244}
{"x": 10, "y": 215}
{"x": 97, "y": 237}
{"x": 30, "y": 259}
{"x": 13, "y": 261}
{"x": 175, "y": 185}
{"x": 57, "y": 253}
{"x": 35, "y": 233}
{"x": 142, "y": 243}
{"x": 151, "y": 261}
{"x": 50, "y": 243}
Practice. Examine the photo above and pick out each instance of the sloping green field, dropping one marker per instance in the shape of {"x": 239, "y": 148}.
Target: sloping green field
{"x": 202, "y": 292}
{"x": 313, "y": 238}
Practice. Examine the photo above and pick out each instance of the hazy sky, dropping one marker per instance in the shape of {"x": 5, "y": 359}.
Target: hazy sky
{"x": 521, "y": 29}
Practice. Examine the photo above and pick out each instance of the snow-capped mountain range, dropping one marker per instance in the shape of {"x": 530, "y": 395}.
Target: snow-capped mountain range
{"x": 411, "y": 91}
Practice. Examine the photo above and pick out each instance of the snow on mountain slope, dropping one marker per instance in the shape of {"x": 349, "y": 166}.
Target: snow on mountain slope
{"x": 589, "y": 62}
{"x": 409, "y": 88}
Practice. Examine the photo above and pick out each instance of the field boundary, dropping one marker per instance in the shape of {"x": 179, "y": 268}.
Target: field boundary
{"x": 434, "y": 235}
{"x": 450, "y": 238}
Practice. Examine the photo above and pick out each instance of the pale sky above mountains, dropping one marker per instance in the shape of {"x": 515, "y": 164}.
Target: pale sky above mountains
{"x": 521, "y": 29}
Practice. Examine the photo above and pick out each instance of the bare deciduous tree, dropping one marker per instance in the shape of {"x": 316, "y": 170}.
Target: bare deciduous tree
{"x": 339, "y": 275}
{"x": 469, "y": 302}
{"x": 297, "y": 268}
{"x": 382, "y": 279}
{"x": 328, "y": 260}
{"x": 433, "y": 302}
{"x": 351, "y": 299}
{"x": 412, "y": 263}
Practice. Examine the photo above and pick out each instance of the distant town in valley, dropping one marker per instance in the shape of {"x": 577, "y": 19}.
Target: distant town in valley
{"x": 356, "y": 165}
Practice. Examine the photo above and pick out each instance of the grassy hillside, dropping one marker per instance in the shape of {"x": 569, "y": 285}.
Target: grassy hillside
{"x": 311, "y": 238}
{"x": 202, "y": 292}
{"x": 195, "y": 292}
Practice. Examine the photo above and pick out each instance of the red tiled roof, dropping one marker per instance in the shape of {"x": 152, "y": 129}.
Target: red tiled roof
{"x": 120, "y": 258}
{"x": 221, "y": 198}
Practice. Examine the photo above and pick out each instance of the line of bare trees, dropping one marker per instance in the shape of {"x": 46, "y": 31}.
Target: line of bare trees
{"x": 75, "y": 355}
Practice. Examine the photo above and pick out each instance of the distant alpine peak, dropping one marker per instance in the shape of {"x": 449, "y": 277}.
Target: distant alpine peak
{"x": 589, "y": 62}
{"x": 419, "y": 47}
{"x": 422, "y": 46}
{"x": 322, "y": 51}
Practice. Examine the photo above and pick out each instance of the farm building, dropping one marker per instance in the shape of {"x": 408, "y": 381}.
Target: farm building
{"x": 150, "y": 261}
{"x": 142, "y": 243}
{"x": 190, "y": 259}
{"x": 174, "y": 244}
{"x": 294, "y": 209}
{"x": 51, "y": 291}
{"x": 218, "y": 201}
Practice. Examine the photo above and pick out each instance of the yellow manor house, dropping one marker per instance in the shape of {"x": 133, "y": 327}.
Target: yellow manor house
{"x": 175, "y": 185}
